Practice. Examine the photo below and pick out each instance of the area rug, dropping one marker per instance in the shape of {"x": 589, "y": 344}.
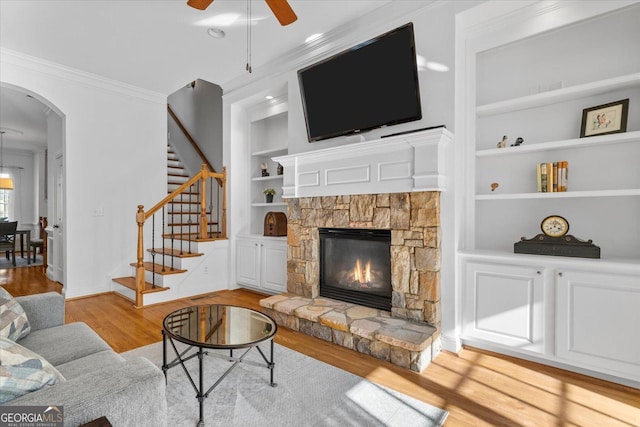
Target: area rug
{"x": 20, "y": 262}
{"x": 309, "y": 393}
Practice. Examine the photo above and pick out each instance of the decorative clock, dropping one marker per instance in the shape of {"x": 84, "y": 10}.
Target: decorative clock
{"x": 554, "y": 240}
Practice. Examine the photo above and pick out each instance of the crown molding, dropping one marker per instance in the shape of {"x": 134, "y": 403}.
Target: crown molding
{"x": 79, "y": 77}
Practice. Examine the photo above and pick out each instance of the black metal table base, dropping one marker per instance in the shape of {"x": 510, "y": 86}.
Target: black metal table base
{"x": 182, "y": 357}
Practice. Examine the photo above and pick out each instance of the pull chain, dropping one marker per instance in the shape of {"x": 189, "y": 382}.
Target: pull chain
{"x": 248, "y": 67}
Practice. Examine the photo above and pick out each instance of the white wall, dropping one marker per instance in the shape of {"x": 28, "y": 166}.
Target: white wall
{"x": 114, "y": 149}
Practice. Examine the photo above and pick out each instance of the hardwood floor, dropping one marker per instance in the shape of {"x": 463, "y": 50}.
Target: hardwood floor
{"x": 478, "y": 388}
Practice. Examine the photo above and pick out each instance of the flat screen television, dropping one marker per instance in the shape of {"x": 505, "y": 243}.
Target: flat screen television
{"x": 371, "y": 85}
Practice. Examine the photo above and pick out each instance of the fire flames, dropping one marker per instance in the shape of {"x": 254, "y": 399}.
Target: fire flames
{"x": 361, "y": 274}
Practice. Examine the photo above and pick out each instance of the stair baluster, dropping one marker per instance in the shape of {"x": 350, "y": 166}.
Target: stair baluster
{"x": 181, "y": 223}
{"x": 153, "y": 251}
{"x": 162, "y": 240}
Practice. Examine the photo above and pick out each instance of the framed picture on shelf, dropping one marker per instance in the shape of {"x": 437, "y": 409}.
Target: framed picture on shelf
{"x": 604, "y": 119}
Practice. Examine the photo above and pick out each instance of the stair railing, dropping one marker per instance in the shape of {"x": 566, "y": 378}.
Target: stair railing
{"x": 211, "y": 223}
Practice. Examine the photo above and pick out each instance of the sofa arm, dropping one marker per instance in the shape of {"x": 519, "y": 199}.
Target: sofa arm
{"x": 128, "y": 394}
{"x": 43, "y": 310}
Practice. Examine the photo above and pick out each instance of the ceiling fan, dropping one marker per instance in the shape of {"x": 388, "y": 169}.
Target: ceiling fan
{"x": 280, "y": 9}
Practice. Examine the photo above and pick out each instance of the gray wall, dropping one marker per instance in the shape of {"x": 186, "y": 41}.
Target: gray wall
{"x": 200, "y": 111}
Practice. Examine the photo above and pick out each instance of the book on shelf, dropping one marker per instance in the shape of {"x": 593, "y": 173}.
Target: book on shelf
{"x": 544, "y": 178}
{"x": 563, "y": 175}
{"x": 552, "y": 177}
{"x": 539, "y": 176}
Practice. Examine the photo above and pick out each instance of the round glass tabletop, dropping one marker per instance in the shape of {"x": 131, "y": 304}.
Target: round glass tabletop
{"x": 219, "y": 326}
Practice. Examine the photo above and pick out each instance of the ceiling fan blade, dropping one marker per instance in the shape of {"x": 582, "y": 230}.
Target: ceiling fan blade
{"x": 199, "y": 4}
{"x": 282, "y": 11}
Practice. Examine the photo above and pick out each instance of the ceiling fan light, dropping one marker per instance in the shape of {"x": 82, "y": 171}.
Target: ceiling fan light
{"x": 216, "y": 33}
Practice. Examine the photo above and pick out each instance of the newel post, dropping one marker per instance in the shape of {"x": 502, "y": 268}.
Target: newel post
{"x": 140, "y": 257}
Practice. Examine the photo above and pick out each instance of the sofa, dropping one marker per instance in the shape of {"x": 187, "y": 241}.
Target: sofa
{"x": 96, "y": 380}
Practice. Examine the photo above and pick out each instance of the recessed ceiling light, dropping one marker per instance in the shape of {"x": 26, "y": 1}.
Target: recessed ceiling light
{"x": 268, "y": 97}
{"x": 216, "y": 33}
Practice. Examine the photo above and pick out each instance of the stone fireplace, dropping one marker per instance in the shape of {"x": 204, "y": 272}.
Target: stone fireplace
{"x": 389, "y": 187}
{"x": 413, "y": 220}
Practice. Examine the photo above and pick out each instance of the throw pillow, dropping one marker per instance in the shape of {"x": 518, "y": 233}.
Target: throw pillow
{"x": 23, "y": 371}
{"x": 13, "y": 320}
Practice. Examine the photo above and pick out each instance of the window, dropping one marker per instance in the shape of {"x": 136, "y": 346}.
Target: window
{"x": 4, "y": 203}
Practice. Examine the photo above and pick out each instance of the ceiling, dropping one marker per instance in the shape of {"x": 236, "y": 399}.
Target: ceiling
{"x": 156, "y": 45}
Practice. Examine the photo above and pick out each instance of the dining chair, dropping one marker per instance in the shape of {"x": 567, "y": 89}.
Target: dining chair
{"x": 39, "y": 242}
{"x": 8, "y": 239}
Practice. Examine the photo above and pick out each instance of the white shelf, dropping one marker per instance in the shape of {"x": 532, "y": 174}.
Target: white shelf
{"x": 627, "y": 265}
{"x": 559, "y": 95}
{"x": 267, "y": 178}
{"x": 272, "y": 152}
{"x": 278, "y": 204}
{"x": 561, "y": 195}
{"x": 592, "y": 141}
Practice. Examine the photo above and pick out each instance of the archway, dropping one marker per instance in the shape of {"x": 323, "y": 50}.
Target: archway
{"x": 35, "y": 131}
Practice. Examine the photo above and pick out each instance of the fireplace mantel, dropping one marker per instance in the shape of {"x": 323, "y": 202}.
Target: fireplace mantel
{"x": 401, "y": 163}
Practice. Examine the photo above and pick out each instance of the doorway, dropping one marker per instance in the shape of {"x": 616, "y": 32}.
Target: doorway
{"x": 36, "y": 130}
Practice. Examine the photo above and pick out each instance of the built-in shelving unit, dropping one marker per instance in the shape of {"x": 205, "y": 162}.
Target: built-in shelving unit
{"x": 602, "y": 181}
{"x": 268, "y": 140}
{"x": 542, "y": 306}
{"x": 261, "y": 261}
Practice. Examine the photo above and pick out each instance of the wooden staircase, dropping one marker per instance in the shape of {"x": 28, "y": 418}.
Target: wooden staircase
{"x": 183, "y": 212}
{"x": 186, "y": 233}
{"x": 188, "y": 239}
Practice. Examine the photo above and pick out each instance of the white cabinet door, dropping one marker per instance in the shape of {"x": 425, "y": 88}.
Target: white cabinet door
{"x": 248, "y": 262}
{"x": 598, "y": 316}
{"x": 273, "y": 271}
{"x": 504, "y": 305}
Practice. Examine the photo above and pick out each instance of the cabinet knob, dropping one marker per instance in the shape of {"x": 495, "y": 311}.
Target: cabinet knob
{"x": 538, "y": 272}
{"x": 560, "y": 273}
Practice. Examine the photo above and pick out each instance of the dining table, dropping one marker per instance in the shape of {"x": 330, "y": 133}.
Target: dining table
{"x": 24, "y": 234}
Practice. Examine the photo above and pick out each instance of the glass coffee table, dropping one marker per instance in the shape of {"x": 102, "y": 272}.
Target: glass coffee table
{"x": 216, "y": 327}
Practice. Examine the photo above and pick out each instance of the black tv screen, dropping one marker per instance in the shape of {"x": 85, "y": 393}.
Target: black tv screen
{"x": 371, "y": 85}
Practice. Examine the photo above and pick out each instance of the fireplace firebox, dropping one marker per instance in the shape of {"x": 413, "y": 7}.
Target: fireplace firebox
{"x": 355, "y": 266}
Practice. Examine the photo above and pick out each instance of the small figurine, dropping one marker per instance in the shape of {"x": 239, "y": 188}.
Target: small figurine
{"x": 503, "y": 143}
{"x": 263, "y": 166}
{"x": 280, "y": 169}
{"x": 518, "y": 142}
{"x": 494, "y": 185}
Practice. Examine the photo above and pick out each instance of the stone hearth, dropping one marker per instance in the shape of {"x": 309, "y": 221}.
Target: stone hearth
{"x": 404, "y": 343}
{"x": 408, "y": 336}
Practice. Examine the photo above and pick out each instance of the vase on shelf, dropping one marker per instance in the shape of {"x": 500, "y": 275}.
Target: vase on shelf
{"x": 268, "y": 194}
